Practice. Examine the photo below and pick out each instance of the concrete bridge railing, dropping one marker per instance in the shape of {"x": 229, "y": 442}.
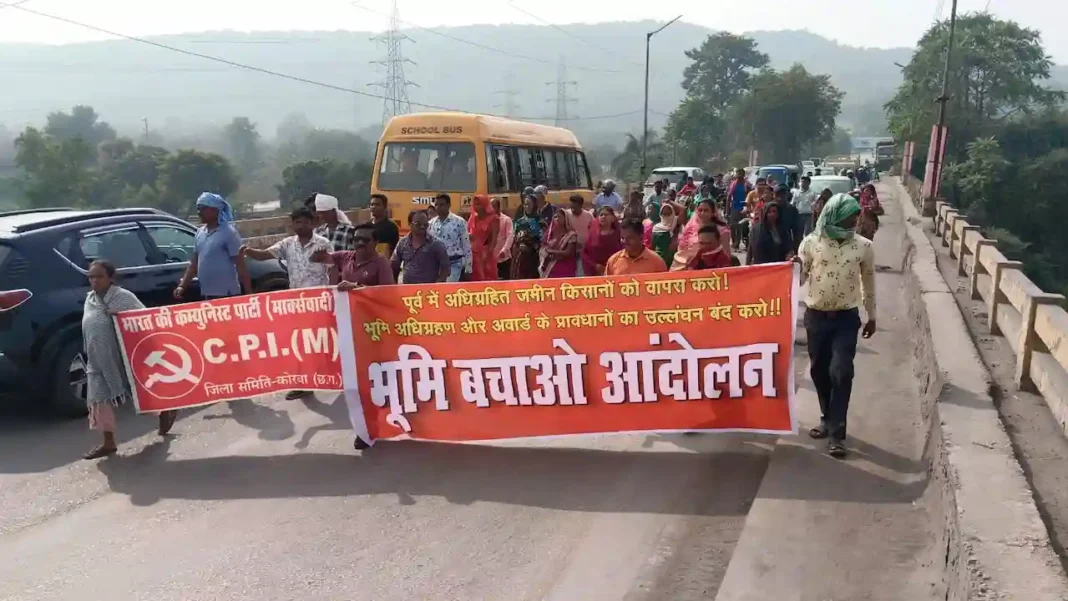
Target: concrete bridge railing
{"x": 1034, "y": 322}
{"x": 265, "y": 231}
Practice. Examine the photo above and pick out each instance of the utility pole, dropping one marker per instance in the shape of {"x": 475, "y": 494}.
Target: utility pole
{"x": 509, "y": 92}
{"x": 645, "y": 119}
{"x": 145, "y": 121}
{"x": 395, "y": 85}
{"x": 936, "y": 169}
{"x": 562, "y": 98}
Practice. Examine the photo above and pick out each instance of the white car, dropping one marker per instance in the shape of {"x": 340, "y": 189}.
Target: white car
{"x": 673, "y": 175}
{"x": 838, "y": 184}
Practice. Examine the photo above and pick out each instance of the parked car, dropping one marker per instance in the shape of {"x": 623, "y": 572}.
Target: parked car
{"x": 673, "y": 175}
{"x": 838, "y": 184}
{"x": 47, "y": 253}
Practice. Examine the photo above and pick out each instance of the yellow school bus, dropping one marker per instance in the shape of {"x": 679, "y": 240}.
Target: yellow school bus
{"x": 463, "y": 154}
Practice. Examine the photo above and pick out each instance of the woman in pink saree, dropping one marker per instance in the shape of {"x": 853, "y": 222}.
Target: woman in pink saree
{"x": 704, "y": 214}
{"x": 559, "y": 252}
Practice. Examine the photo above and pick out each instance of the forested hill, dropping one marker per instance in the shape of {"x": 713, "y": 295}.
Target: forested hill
{"x": 128, "y": 81}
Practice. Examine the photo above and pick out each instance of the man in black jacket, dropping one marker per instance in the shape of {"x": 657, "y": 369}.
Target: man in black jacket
{"x": 791, "y": 218}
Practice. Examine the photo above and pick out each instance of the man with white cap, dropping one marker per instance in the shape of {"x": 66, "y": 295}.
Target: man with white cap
{"x": 336, "y": 226}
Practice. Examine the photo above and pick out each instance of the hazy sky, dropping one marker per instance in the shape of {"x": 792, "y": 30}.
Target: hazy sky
{"x": 879, "y": 23}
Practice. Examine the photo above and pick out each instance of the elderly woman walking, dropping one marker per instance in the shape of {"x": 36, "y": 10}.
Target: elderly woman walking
{"x": 108, "y": 386}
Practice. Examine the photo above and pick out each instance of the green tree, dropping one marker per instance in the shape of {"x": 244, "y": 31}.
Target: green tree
{"x": 242, "y": 143}
{"x": 996, "y": 72}
{"x": 186, "y": 174}
{"x": 722, "y": 69}
{"x": 349, "y": 182}
{"x": 693, "y": 132}
{"x": 82, "y": 122}
{"x": 627, "y": 163}
{"x": 55, "y": 172}
{"x": 787, "y": 110}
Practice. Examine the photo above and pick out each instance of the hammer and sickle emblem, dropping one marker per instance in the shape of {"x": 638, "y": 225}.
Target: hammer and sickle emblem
{"x": 174, "y": 373}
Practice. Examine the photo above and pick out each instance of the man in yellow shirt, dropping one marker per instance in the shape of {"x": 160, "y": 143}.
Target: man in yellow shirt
{"x": 839, "y": 268}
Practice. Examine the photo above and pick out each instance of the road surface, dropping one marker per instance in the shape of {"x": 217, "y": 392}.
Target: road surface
{"x": 267, "y": 500}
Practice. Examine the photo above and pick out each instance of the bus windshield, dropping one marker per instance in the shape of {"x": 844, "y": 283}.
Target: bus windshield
{"x": 428, "y": 167}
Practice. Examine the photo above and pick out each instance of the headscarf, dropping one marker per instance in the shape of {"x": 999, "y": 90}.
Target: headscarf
{"x": 839, "y": 208}
{"x": 666, "y": 224}
{"x": 214, "y": 201}
{"x": 325, "y": 202}
{"x": 558, "y": 238}
{"x": 476, "y": 224}
{"x": 529, "y": 222}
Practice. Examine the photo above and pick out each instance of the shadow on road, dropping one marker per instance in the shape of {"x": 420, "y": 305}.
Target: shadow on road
{"x": 32, "y": 444}
{"x": 557, "y": 478}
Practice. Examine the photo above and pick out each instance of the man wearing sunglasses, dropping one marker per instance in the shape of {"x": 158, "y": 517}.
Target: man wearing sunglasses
{"x": 362, "y": 266}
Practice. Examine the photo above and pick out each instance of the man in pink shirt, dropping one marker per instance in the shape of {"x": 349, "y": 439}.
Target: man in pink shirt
{"x": 505, "y": 237}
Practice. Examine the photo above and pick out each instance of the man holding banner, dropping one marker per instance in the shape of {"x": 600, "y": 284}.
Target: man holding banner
{"x": 297, "y": 251}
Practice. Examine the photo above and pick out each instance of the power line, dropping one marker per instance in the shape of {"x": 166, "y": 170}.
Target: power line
{"x": 13, "y": 4}
{"x": 273, "y": 73}
{"x": 395, "y": 85}
{"x": 356, "y": 4}
{"x": 511, "y": 3}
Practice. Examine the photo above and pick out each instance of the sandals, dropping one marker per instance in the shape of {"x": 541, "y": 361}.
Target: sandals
{"x": 836, "y": 449}
{"x": 166, "y": 422}
{"x": 101, "y": 451}
{"x": 819, "y": 432}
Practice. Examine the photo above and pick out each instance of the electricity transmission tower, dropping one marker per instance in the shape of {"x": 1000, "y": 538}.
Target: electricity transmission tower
{"x": 509, "y": 92}
{"x": 562, "y": 99}
{"x": 395, "y": 85}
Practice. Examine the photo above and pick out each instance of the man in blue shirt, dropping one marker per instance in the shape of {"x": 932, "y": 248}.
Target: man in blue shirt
{"x": 216, "y": 260}
{"x": 609, "y": 197}
{"x": 736, "y": 194}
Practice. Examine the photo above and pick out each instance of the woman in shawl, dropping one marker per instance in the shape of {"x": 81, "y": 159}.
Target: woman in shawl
{"x": 704, "y": 214}
{"x": 604, "y": 240}
{"x": 770, "y": 241}
{"x": 526, "y": 248}
{"x": 870, "y": 210}
{"x": 559, "y": 253}
{"x": 107, "y": 386}
{"x": 483, "y": 228}
{"x": 664, "y": 237}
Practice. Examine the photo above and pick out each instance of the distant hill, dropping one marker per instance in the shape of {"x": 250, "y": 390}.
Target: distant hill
{"x": 127, "y": 81}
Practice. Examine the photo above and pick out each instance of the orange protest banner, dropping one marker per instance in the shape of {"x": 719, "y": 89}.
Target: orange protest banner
{"x": 233, "y": 348}
{"x": 710, "y": 350}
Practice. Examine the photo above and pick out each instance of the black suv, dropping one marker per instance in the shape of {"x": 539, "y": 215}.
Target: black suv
{"x": 47, "y": 251}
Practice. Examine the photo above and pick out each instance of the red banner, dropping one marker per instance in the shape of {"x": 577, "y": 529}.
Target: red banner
{"x": 706, "y": 351}
{"x": 234, "y": 348}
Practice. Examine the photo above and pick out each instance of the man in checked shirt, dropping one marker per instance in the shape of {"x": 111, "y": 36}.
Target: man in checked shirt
{"x": 335, "y": 226}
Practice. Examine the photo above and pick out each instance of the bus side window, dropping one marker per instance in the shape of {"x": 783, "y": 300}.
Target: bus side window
{"x": 497, "y": 169}
{"x": 539, "y": 166}
{"x": 525, "y": 159}
{"x": 568, "y": 169}
{"x": 553, "y": 166}
{"x": 583, "y": 171}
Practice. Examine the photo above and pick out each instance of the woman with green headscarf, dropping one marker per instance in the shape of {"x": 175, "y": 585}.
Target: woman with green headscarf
{"x": 839, "y": 269}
